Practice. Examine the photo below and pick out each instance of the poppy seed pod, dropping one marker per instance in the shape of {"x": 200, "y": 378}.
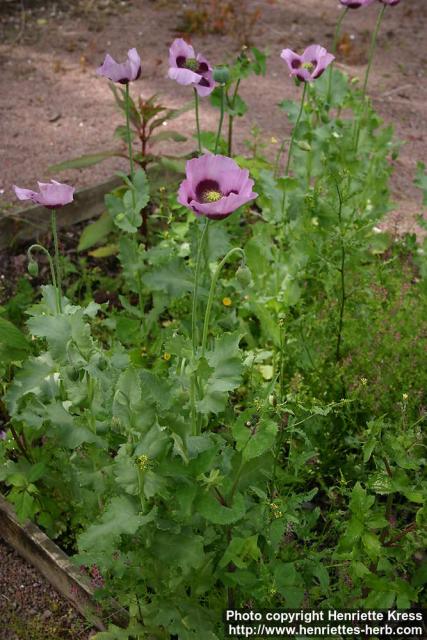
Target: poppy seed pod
{"x": 221, "y": 75}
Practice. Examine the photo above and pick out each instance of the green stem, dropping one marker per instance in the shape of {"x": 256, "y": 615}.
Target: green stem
{"x": 212, "y": 292}
{"x": 231, "y": 119}
{"x": 368, "y": 69}
{"x": 196, "y": 286}
{"x": 196, "y": 109}
{"x": 278, "y": 157}
{"x": 343, "y": 287}
{"x": 221, "y": 118}
{"x": 236, "y": 483}
{"x": 334, "y": 50}
{"x": 56, "y": 260}
{"x": 194, "y": 337}
{"x": 129, "y": 138}
{"x": 291, "y": 145}
{"x": 373, "y": 47}
{"x": 51, "y": 265}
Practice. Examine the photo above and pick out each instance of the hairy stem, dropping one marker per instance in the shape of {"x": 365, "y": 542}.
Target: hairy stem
{"x": 51, "y": 266}
{"x": 194, "y": 336}
{"x": 56, "y": 260}
{"x": 196, "y": 110}
{"x": 368, "y": 70}
{"x": 221, "y": 118}
{"x": 231, "y": 119}
{"x": 212, "y": 293}
{"x": 334, "y": 50}
{"x": 342, "y": 277}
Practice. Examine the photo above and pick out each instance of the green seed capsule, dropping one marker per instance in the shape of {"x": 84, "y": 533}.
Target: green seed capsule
{"x": 244, "y": 276}
{"x": 221, "y": 75}
{"x": 33, "y": 268}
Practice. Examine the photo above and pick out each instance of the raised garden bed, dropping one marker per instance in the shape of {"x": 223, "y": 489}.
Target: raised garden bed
{"x": 41, "y": 552}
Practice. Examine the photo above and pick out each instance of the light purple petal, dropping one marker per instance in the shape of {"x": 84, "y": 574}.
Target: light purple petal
{"x": 302, "y": 74}
{"x": 356, "y": 4}
{"x": 232, "y": 182}
{"x": 225, "y": 206}
{"x": 134, "y": 63}
{"x": 206, "y": 85}
{"x": 55, "y": 194}
{"x": 292, "y": 59}
{"x": 52, "y": 194}
{"x": 123, "y": 72}
{"x": 313, "y": 52}
{"x": 203, "y": 62}
{"x": 185, "y": 193}
{"x": 25, "y": 194}
{"x": 180, "y": 48}
{"x": 184, "y": 76}
{"x": 208, "y": 167}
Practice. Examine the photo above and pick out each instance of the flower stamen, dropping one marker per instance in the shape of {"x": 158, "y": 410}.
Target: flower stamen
{"x": 211, "y": 196}
{"x": 192, "y": 64}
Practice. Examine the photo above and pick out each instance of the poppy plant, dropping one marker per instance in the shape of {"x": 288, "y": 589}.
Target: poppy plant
{"x": 122, "y": 72}
{"x": 187, "y": 68}
{"x": 51, "y": 195}
{"x": 215, "y": 187}
{"x": 310, "y": 65}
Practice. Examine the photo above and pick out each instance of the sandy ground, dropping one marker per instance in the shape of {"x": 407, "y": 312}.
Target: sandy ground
{"x": 53, "y": 106}
{"x": 30, "y": 609}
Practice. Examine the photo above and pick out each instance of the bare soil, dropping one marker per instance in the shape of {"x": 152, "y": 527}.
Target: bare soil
{"x": 53, "y": 107}
{"x": 30, "y": 609}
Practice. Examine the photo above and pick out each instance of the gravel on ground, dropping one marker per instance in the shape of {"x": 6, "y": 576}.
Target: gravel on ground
{"x": 30, "y": 608}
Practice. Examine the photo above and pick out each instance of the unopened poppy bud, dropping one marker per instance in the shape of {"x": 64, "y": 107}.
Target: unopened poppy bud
{"x": 272, "y": 400}
{"x": 244, "y": 276}
{"x": 33, "y": 268}
{"x": 221, "y": 75}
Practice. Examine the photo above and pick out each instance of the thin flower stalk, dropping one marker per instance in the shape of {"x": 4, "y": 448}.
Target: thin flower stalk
{"x": 221, "y": 118}
{"x": 334, "y": 50}
{"x": 197, "y": 113}
{"x": 56, "y": 260}
{"x": 368, "y": 71}
{"x": 212, "y": 293}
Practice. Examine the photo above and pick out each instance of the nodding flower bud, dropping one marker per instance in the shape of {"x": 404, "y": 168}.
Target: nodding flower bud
{"x": 244, "y": 276}
{"x": 221, "y": 75}
{"x": 33, "y": 268}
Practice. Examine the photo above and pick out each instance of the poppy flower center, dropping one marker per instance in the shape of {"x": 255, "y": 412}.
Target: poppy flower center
{"x": 208, "y": 191}
{"x": 211, "y": 196}
{"x": 192, "y": 64}
{"x": 308, "y": 65}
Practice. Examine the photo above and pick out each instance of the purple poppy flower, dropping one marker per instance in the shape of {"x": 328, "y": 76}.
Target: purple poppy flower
{"x": 356, "y": 4}
{"x": 187, "y": 68}
{"x": 215, "y": 186}
{"x": 3, "y": 434}
{"x": 310, "y": 65}
{"x": 391, "y": 3}
{"x": 123, "y": 72}
{"x": 52, "y": 195}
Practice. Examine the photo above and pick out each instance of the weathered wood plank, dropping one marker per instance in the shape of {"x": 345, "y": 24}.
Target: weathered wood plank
{"x": 40, "y": 551}
{"x": 32, "y": 222}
